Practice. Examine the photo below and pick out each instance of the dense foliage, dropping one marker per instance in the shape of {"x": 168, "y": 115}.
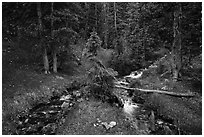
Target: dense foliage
{"x": 93, "y": 43}
{"x": 135, "y": 31}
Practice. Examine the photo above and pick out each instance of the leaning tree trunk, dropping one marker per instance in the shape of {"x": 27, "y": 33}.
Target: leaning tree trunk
{"x": 176, "y": 48}
{"x": 54, "y": 52}
{"x": 45, "y": 57}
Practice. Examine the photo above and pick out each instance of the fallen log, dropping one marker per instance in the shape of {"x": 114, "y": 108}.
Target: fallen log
{"x": 157, "y": 91}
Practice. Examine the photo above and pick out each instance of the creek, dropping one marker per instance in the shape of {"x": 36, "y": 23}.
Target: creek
{"x": 45, "y": 118}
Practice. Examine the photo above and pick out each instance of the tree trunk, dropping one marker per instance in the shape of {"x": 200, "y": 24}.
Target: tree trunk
{"x": 86, "y": 20}
{"x": 54, "y": 62}
{"x": 117, "y": 39}
{"x": 115, "y": 18}
{"x": 143, "y": 46}
{"x": 54, "y": 52}
{"x": 105, "y": 25}
{"x": 156, "y": 91}
{"x": 45, "y": 57}
{"x": 176, "y": 49}
{"x": 96, "y": 23}
{"x": 46, "y": 62}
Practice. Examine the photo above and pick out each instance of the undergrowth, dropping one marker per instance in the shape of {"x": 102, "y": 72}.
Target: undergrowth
{"x": 23, "y": 101}
{"x": 101, "y": 80}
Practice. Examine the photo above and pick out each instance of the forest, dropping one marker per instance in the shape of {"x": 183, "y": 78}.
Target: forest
{"x": 101, "y": 68}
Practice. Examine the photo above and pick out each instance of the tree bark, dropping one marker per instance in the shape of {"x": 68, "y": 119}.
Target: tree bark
{"x": 157, "y": 91}
{"x": 45, "y": 57}
{"x": 53, "y": 46}
{"x": 96, "y": 22}
{"x": 54, "y": 62}
{"x": 105, "y": 25}
{"x": 86, "y": 20}
{"x": 115, "y": 18}
{"x": 46, "y": 61}
{"x": 176, "y": 48}
{"x": 117, "y": 45}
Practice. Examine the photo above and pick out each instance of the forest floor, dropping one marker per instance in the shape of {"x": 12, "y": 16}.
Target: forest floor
{"x": 79, "y": 121}
{"x": 23, "y": 88}
{"x": 21, "y": 78}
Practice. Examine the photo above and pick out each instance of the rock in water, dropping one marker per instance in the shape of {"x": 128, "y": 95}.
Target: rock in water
{"x": 105, "y": 124}
{"x": 65, "y": 98}
{"x": 65, "y": 105}
{"x": 112, "y": 124}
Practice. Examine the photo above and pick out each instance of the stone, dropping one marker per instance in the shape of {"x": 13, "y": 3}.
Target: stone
{"x": 65, "y": 105}
{"x": 112, "y": 124}
{"x": 65, "y": 98}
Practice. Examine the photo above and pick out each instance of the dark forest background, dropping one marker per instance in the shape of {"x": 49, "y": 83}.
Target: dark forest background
{"x": 136, "y": 32}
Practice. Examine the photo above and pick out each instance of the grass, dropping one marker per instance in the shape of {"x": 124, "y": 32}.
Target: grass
{"x": 185, "y": 111}
{"x": 23, "y": 88}
{"x": 19, "y": 99}
{"x": 81, "y": 120}
{"x": 19, "y": 105}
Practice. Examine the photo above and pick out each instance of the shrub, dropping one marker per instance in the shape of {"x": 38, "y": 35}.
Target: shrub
{"x": 94, "y": 42}
{"x": 101, "y": 80}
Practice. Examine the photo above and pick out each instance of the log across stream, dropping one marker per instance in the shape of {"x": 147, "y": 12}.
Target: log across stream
{"x": 182, "y": 111}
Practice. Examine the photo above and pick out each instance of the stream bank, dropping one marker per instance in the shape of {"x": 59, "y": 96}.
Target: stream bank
{"x": 69, "y": 109}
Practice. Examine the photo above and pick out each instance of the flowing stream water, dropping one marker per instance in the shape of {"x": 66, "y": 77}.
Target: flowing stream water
{"x": 45, "y": 118}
